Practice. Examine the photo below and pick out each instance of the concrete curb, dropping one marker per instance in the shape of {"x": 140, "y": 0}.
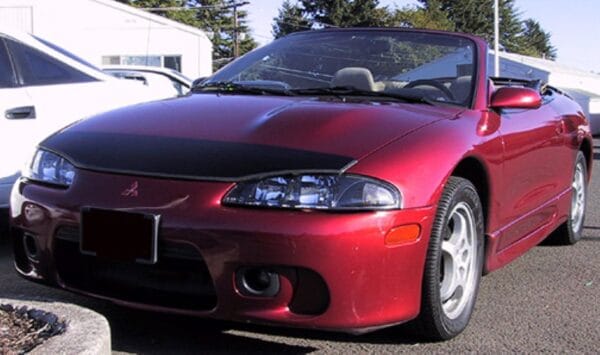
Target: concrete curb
{"x": 87, "y": 332}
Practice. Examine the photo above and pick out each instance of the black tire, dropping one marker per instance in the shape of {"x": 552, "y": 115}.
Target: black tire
{"x": 433, "y": 322}
{"x": 571, "y": 231}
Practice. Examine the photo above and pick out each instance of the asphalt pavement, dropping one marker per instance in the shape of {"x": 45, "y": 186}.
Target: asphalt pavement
{"x": 546, "y": 301}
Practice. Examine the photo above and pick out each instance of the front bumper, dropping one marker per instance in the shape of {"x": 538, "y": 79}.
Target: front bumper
{"x": 334, "y": 269}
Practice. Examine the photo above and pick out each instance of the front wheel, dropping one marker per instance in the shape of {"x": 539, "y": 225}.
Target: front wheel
{"x": 454, "y": 262}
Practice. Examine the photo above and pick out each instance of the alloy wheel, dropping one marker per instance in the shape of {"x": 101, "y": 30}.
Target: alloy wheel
{"x": 578, "y": 198}
{"x": 459, "y": 248}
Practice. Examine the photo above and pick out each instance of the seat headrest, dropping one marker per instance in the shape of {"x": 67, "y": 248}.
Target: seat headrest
{"x": 359, "y": 78}
{"x": 461, "y": 88}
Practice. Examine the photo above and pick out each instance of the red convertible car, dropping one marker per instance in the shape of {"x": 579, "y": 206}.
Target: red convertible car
{"x": 345, "y": 179}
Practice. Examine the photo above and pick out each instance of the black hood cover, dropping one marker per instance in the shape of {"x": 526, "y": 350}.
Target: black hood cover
{"x": 186, "y": 158}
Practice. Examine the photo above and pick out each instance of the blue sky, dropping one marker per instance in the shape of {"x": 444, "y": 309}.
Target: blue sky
{"x": 573, "y": 25}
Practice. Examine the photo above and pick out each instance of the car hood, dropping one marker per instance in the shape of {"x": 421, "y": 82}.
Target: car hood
{"x": 232, "y": 137}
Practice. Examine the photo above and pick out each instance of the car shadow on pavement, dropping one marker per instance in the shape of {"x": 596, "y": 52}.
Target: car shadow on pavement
{"x": 3, "y": 225}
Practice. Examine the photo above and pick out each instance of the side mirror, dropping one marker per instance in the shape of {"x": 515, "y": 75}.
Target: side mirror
{"x": 513, "y": 97}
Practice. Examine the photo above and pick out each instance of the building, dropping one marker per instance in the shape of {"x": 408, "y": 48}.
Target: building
{"x": 107, "y": 32}
{"x": 582, "y": 86}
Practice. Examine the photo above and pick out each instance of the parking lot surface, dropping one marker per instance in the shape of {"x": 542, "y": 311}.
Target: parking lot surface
{"x": 546, "y": 301}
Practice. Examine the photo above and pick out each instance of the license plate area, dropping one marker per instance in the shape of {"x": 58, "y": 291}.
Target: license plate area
{"x": 119, "y": 235}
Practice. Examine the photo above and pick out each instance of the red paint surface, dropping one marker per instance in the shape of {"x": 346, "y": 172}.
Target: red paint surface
{"x": 527, "y": 157}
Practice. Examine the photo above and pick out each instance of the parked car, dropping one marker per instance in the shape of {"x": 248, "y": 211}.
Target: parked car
{"x": 342, "y": 179}
{"x": 166, "y": 82}
{"x": 43, "y": 88}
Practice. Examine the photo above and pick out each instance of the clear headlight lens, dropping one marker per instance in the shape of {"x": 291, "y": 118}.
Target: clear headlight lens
{"x": 50, "y": 168}
{"x": 336, "y": 192}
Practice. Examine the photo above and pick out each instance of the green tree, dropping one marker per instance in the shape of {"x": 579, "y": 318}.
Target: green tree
{"x": 535, "y": 41}
{"x": 215, "y": 17}
{"x": 477, "y": 17}
{"x": 346, "y": 13}
{"x": 431, "y": 17}
{"x": 291, "y": 18}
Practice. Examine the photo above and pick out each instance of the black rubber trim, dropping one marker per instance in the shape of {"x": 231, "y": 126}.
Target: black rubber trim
{"x": 185, "y": 158}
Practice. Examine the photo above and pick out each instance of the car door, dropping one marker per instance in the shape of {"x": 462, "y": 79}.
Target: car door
{"x": 17, "y": 118}
{"x": 62, "y": 94}
{"x": 534, "y": 160}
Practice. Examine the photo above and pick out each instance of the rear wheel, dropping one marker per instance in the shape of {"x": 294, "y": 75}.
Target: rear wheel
{"x": 570, "y": 232}
{"x": 454, "y": 262}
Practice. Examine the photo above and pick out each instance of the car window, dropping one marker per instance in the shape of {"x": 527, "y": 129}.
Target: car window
{"x": 67, "y": 53}
{"x": 6, "y": 71}
{"x": 38, "y": 68}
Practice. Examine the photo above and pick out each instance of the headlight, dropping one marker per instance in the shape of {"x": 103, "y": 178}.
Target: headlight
{"x": 335, "y": 192}
{"x": 51, "y": 168}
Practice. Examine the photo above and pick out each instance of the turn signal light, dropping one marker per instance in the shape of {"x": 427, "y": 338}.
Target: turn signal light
{"x": 405, "y": 234}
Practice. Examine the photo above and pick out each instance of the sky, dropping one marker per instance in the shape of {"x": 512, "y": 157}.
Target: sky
{"x": 572, "y": 24}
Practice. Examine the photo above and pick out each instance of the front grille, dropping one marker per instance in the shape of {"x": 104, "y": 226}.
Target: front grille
{"x": 180, "y": 278}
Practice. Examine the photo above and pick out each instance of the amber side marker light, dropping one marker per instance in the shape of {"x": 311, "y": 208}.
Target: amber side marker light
{"x": 405, "y": 234}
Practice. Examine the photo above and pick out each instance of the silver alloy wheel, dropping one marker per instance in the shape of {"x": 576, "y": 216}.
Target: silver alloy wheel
{"x": 578, "y": 198}
{"x": 459, "y": 249}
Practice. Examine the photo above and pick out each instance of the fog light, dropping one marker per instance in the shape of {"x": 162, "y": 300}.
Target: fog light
{"x": 30, "y": 246}
{"x": 255, "y": 281}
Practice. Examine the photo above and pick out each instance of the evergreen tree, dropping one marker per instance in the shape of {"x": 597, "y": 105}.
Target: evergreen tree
{"x": 290, "y": 19}
{"x": 535, "y": 41}
{"x": 477, "y": 17}
{"x": 431, "y": 17}
{"x": 346, "y": 13}
{"x": 214, "y": 17}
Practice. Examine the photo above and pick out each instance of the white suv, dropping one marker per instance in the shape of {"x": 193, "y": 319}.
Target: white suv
{"x": 44, "y": 88}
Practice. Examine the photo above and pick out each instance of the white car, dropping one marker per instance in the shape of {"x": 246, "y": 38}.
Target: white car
{"x": 44, "y": 88}
{"x": 164, "y": 81}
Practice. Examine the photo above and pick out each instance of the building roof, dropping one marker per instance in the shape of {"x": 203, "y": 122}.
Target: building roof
{"x": 545, "y": 64}
{"x": 151, "y": 17}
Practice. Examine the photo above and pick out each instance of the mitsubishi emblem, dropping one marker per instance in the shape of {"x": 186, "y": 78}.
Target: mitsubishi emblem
{"x": 132, "y": 191}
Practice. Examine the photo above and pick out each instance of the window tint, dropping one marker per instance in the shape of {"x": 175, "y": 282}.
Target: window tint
{"x": 38, "y": 68}
{"x": 6, "y": 71}
{"x": 173, "y": 62}
{"x": 67, "y": 53}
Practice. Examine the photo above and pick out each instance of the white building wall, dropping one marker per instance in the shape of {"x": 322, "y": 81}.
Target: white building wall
{"x": 96, "y": 28}
{"x": 590, "y": 83}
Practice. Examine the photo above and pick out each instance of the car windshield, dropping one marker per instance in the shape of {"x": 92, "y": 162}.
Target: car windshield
{"x": 431, "y": 66}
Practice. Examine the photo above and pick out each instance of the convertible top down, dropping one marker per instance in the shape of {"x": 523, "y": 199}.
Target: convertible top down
{"x": 345, "y": 179}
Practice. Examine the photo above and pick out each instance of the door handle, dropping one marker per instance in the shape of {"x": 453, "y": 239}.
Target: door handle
{"x": 20, "y": 113}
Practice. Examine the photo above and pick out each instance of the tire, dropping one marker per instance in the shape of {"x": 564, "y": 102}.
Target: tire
{"x": 571, "y": 231}
{"x": 455, "y": 250}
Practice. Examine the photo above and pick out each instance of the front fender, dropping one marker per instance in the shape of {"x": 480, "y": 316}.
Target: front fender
{"x": 420, "y": 163}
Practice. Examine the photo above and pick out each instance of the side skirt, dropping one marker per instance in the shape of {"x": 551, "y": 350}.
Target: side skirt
{"x": 497, "y": 258}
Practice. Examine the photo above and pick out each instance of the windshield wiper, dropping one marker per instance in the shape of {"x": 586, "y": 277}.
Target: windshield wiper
{"x": 341, "y": 91}
{"x": 231, "y": 87}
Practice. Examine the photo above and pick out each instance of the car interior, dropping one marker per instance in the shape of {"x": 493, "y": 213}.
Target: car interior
{"x": 444, "y": 89}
